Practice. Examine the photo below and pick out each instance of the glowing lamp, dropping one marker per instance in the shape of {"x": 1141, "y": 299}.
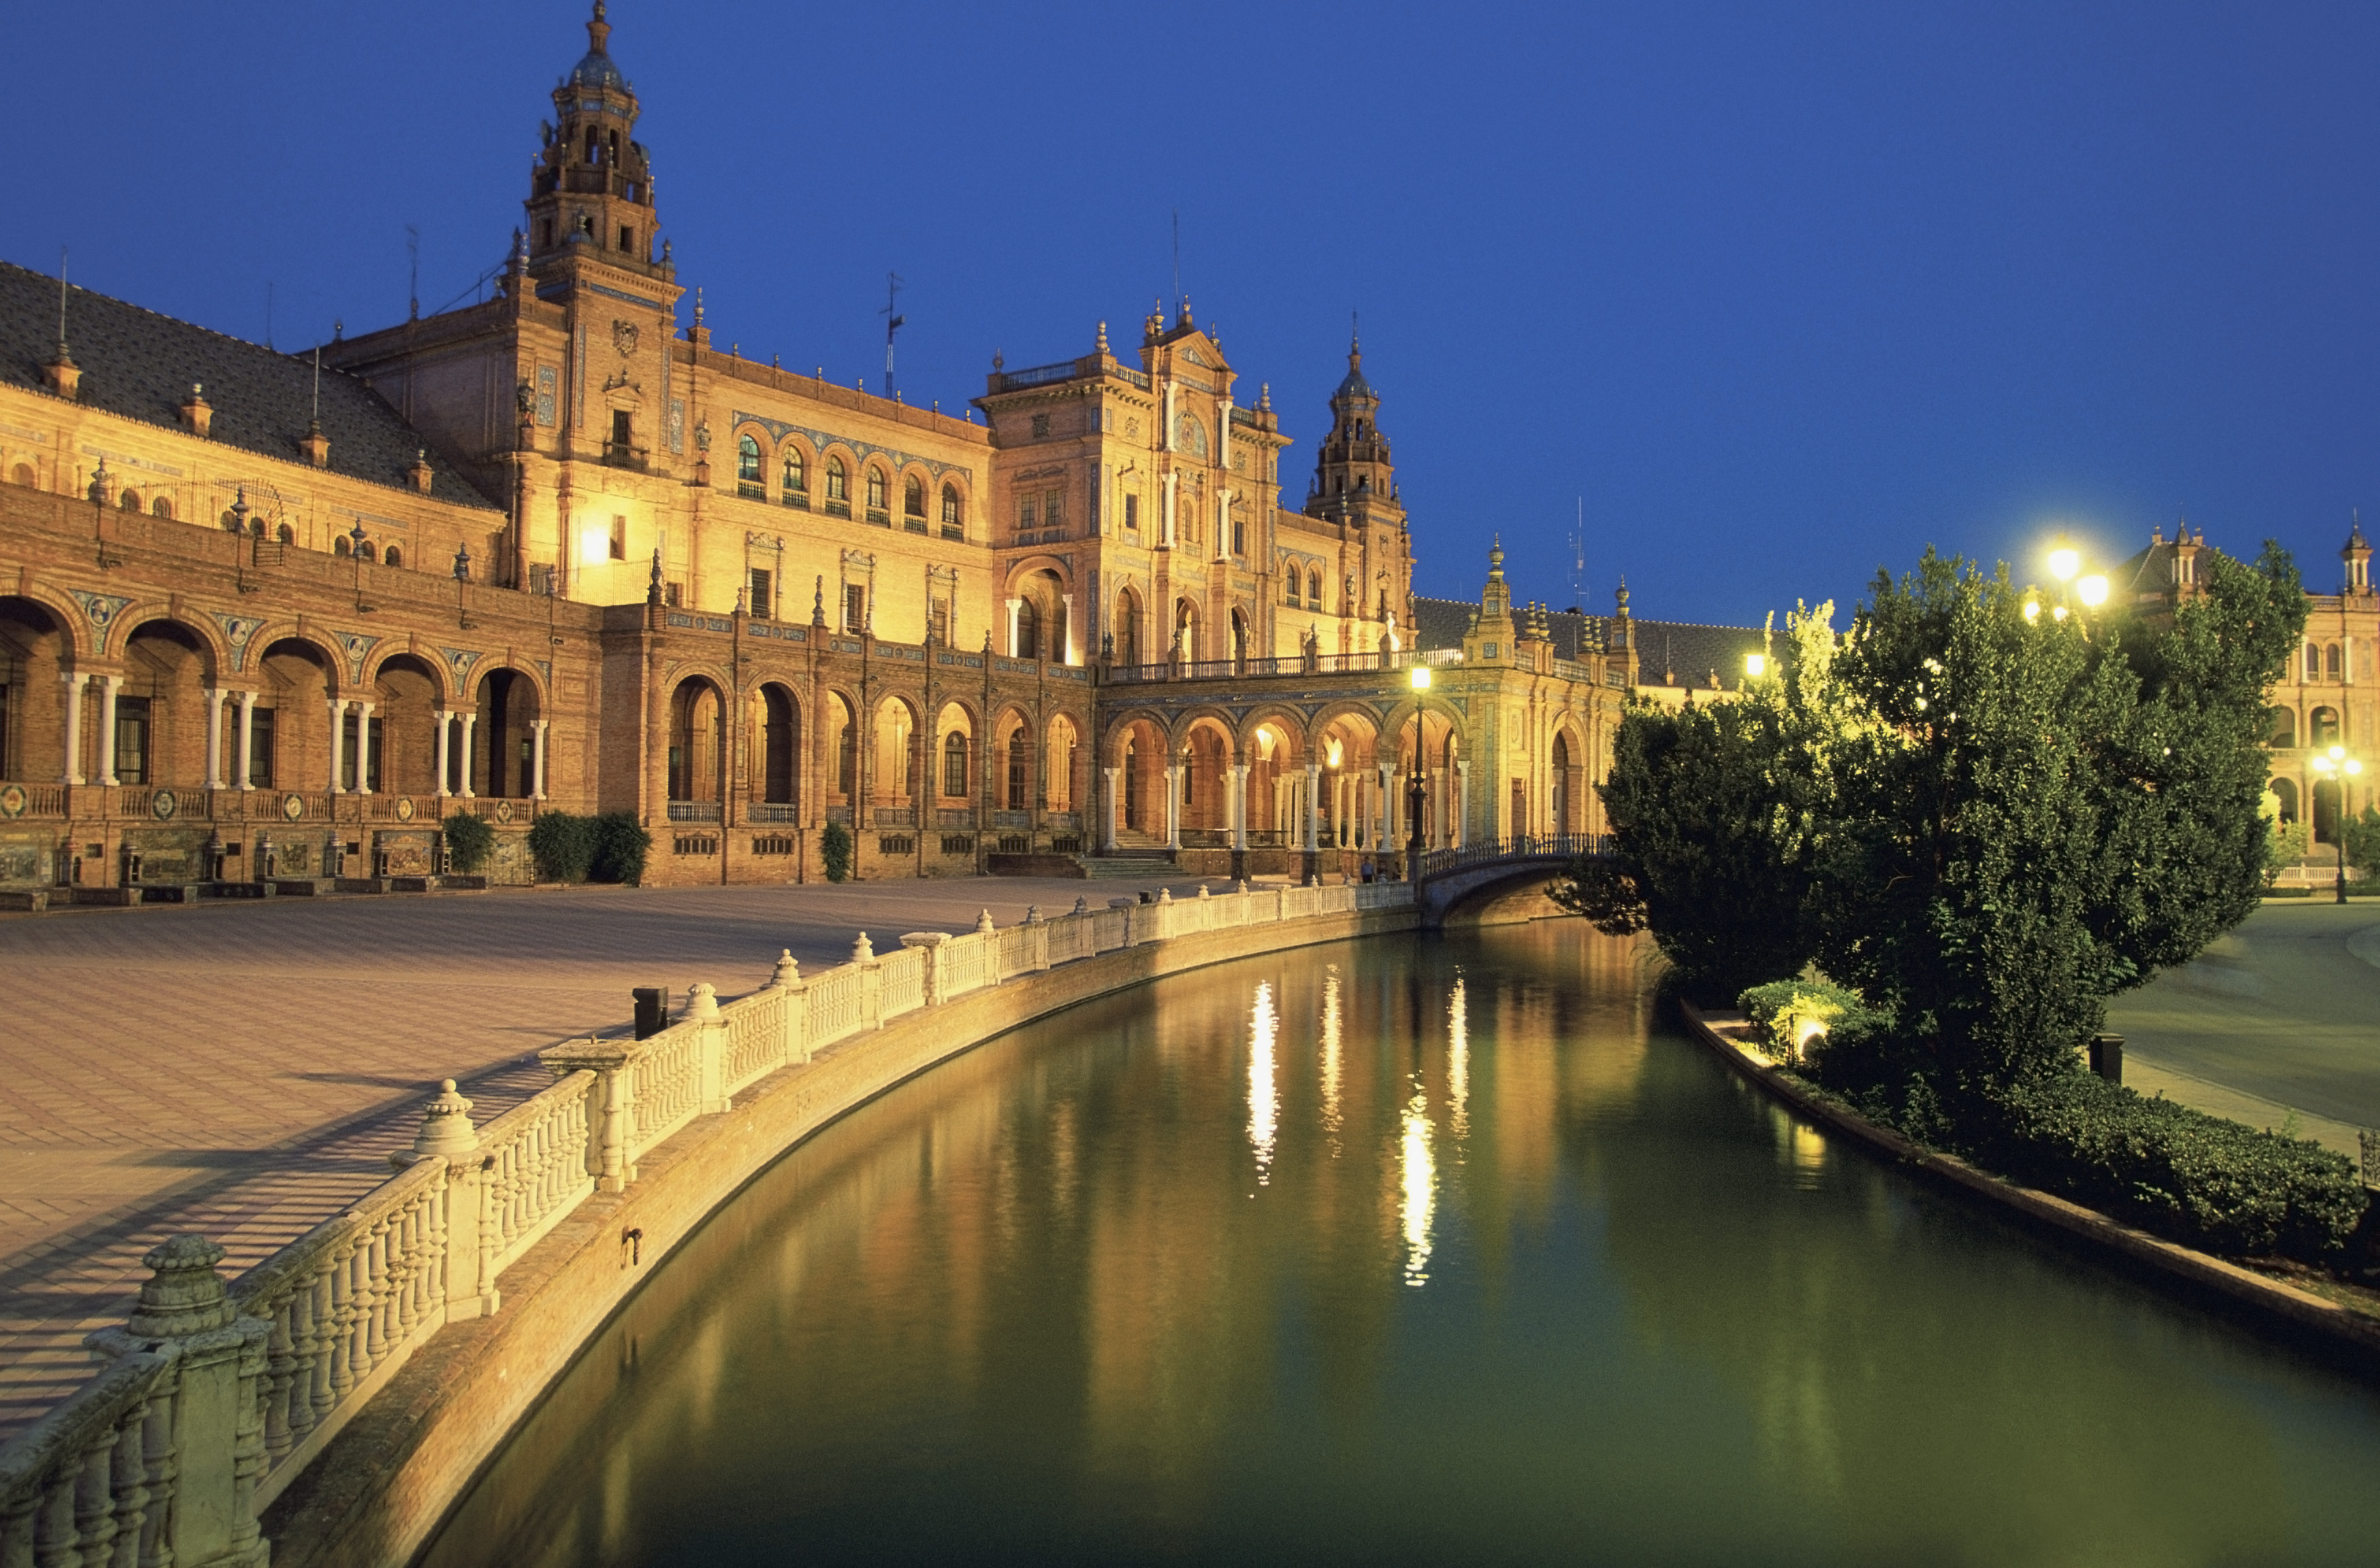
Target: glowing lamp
{"x": 2032, "y": 611}
{"x": 1755, "y": 666}
{"x": 594, "y": 544}
{"x": 1421, "y": 677}
{"x": 2093, "y": 591}
{"x": 2064, "y": 562}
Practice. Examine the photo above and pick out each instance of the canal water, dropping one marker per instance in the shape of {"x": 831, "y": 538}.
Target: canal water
{"x": 1401, "y": 1251}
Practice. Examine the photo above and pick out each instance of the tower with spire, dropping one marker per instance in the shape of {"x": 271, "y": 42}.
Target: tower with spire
{"x": 591, "y": 186}
{"x": 1354, "y": 498}
{"x": 2357, "y": 556}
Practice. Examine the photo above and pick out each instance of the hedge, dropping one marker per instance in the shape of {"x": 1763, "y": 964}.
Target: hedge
{"x": 2201, "y": 1180}
{"x": 470, "y": 842}
{"x": 608, "y": 849}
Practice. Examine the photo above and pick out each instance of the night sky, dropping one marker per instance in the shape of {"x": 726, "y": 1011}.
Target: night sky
{"x": 1782, "y": 297}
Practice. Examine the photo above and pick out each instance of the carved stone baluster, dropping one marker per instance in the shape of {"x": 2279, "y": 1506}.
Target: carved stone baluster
{"x": 347, "y": 1301}
{"x": 131, "y": 1480}
{"x": 94, "y": 1513}
{"x": 281, "y": 1361}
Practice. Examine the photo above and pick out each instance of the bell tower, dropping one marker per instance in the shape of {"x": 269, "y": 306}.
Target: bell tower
{"x": 591, "y": 189}
{"x": 1353, "y": 476}
{"x": 2357, "y": 556}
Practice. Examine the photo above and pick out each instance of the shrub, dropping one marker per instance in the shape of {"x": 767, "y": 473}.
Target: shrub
{"x": 835, "y": 851}
{"x": 2198, "y": 1179}
{"x": 470, "y": 842}
{"x": 2362, "y": 835}
{"x": 621, "y": 845}
{"x": 564, "y": 847}
{"x": 1791, "y": 1015}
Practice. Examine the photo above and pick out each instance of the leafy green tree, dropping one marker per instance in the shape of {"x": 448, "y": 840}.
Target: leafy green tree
{"x": 470, "y": 842}
{"x": 619, "y": 847}
{"x": 2361, "y": 837}
{"x": 563, "y": 844}
{"x": 835, "y": 851}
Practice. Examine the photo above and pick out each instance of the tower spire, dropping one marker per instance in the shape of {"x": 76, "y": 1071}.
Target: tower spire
{"x": 599, "y": 32}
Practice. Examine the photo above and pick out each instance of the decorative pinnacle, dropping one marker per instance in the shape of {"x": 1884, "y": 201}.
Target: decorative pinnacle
{"x": 787, "y": 973}
{"x": 184, "y": 1294}
{"x": 863, "y": 951}
{"x": 1103, "y": 337}
{"x": 446, "y": 1125}
{"x": 599, "y": 32}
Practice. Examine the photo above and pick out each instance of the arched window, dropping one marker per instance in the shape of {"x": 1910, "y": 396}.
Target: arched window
{"x": 2323, "y": 727}
{"x": 256, "y": 528}
{"x": 2280, "y": 729}
{"x": 339, "y": 544}
{"x": 2333, "y": 667}
{"x": 1314, "y": 590}
{"x": 162, "y": 507}
{"x": 875, "y": 490}
{"x": 367, "y": 551}
{"x": 24, "y": 475}
{"x": 796, "y": 479}
{"x": 1028, "y": 632}
{"x": 747, "y": 460}
{"x": 1020, "y": 760}
{"x": 954, "y": 765}
{"x": 129, "y": 501}
{"x": 2312, "y": 662}
{"x": 394, "y": 557}
{"x": 287, "y": 534}
{"x": 1127, "y": 627}
{"x": 1290, "y": 590}
{"x": 838, "y": 483}
{"x": 951, "y": 517}
{"x": 913, "y": 499}
{"x": 230, "y": 520}
{"x": 2286, "y": 792}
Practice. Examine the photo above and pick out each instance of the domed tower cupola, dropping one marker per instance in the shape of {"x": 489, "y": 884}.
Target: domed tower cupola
{"x": 591, "y": 187}
{"x": 1354, "y": 474}
{"x": 2357, "y": 554}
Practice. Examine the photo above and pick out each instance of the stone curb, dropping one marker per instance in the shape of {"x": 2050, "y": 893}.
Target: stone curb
{"x": 2297, "y": 1317}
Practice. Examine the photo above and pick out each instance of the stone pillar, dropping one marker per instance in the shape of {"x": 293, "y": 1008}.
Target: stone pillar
{"x": 247, "y": 739}
{"x": 1173, "y": 808}
{"x": 710, "y": 1048}
{"x": 447, "y": 1133}
{"x": 445, "y": 750}
{"x": 214, "y": 736}
{"x": 470, "y": 722}
{"x": 73, "y": 682}
{"x": 1313, "y": 807}
{"x": 611, "y": 1111}
{"x": 932, "y": 941}
{"x": 1462, "y": 835}
{"x": 1384, "y": 811}
{"x": 537, "y": 759}
{"x": 1240, "y": 807}
{"x": 871, "y": 983}
{"x": 1165, "y": 535}
{"x": 1066, "y": 654}
{"x": 1111, "y": 810}
{"x": 109, "y": 685}
{"x": 1013, "y": 606}
{"x": 339, "y": 707}
{"x": 788, "y": 980}
{"x": 363, "y": 746}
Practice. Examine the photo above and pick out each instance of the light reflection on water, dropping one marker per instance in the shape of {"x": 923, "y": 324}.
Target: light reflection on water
{"x": 1397, "y": 1252}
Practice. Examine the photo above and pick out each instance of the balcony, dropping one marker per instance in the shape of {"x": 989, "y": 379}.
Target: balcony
{"x": 838, "y": 508}
{"x": 773, "y": 812}
{"x": 893, "y": 817}
{"x": 751, "y": 490}
{"x": 799, "y": 500}
{"x": 879, "y": 516}
{"x": 620, "y": 454}
{"x": 694, "y": 810}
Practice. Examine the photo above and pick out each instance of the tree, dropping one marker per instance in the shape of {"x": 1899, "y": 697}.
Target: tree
{"x": 470, "y": 842}
{"x": 2042, "y": 812}
{"x": 835, "y": 851}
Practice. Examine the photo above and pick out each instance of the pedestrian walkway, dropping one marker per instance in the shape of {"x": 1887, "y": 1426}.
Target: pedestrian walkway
{"x": 247, "y": 1069}
{"x": 2279, "y": 1018}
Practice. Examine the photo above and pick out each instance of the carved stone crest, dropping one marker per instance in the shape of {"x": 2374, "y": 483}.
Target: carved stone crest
{"x": 624, "y": 337}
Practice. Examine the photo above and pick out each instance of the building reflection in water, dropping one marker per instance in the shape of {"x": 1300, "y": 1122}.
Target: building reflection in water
{"x": 1264, "y": 1096}
{"x": 1417, "y": 1177}
{"x": 1331, "y": 1058}
{"x": 1458, "y": 1064}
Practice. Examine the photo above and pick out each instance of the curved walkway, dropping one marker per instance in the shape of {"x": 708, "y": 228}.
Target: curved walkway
{"x": 2280, "y": 1016}
{"x": 247, "y": 1069}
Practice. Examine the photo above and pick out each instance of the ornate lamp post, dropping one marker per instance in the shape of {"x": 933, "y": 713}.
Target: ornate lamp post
{"x": 2336, "y": 762}
{"x": 1416, "y": 787}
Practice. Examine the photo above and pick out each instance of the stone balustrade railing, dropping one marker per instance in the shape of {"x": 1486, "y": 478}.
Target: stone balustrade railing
{"x": 213, "y": 1397}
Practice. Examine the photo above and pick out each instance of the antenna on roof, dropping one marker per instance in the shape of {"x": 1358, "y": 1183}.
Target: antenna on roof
{"x": 1578, "y": 555}
{"x": 413, "y": 257}
{"x": 892, "y": 320}
{"x": 63, "y": 360}
{"x": 318, "y": 386}
{"x": 267, "y": 313}
{"x": 1177, "y": 262}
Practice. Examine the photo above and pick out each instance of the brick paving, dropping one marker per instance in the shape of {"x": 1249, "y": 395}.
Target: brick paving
{"x": 246, "y": 1069}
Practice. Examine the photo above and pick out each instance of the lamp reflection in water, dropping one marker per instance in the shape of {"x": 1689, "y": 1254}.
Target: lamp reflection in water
{"x": 1264, "y": 1096}
{"x": 1330, "y": 1057}
{"x": 1417, "y": 1168}
{"x": 1458, "y": 1063}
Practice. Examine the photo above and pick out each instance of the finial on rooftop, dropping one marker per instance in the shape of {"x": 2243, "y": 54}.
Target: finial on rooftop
{"x": 599, "y": 32}
{"x": 653, "y": 587}
{"x": 1495, "y": 558}
{"x": 1103, "y": 345}
{"x": 1264, "y": 399}
{"x": 697, "y": 307}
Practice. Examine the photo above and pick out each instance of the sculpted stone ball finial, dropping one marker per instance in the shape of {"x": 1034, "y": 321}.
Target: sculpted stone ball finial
{"x": 862, "y": 951}
{"x": 983, "y": 922}
{"x": 184, "y": 1294}
{"x": 445, "y": 1125}
{"x": 1103, "y": 337}
{"x": 787, "y": 972}
{"x": 599, "y": 32}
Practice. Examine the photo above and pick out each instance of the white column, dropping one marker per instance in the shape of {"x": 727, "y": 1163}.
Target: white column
{"x": 1108, "y": 810}
{"x": 247, "y": 737}
{"x": 537, "y": 758}
{"x": 1313, "y": 807}
{"x": 108, "y": 686}
{"x": 470, "y": 722}
{"x": 1173, "y": 808}
{"x": 72, "y": 772}
{"x": 214, "y": 736}
{"x": 1384, "y": 809}
{"x": 363, "y": 746}
{"x": 1462, "y": 835}
{"x": 338, "y": 706}
{"x": 1240, "y": 807}
{"x": 445, "y": 749}
{"x": 1165, "y": 524}
{"x": 1066, "y": 654}
{"x": 1014, "y": 605}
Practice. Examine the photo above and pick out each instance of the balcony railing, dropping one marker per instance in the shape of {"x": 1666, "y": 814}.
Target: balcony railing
{"x": 893, "y": 817}
{"x": 1040, "y": 375}
{"x": 620, "y": 454}
{"x": 694, "y": 810}
{"x": 773, "y": 812}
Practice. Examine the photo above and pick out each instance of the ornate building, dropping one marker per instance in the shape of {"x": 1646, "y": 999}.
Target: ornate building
{"x": 273, "y": 617}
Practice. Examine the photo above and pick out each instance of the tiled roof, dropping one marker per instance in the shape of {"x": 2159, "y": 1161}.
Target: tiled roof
{"x": 141, "y": 365}
{"x": 1664, "y": 648}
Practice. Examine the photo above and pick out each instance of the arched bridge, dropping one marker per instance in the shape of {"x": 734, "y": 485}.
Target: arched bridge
{"x": 1454, "y": 880}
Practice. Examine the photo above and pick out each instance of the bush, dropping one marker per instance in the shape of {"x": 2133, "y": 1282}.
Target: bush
{"x": 1791, "y": 1015}
{"x": 470, "y": 842}
{"x": 2361, "y": 834}
{"x": 835, "y": 851}
{"x": 2197, "y": 1179}
{"x": 562, "y": 846}
{"x": 621, "y": 845}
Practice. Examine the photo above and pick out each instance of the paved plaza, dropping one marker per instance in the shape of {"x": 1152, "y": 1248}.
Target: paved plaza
{"x": 246, "y": 1069}
{"x": 2279, "y": 1017}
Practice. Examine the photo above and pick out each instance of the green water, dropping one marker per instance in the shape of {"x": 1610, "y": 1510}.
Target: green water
{"x": 1401, "y": 1251}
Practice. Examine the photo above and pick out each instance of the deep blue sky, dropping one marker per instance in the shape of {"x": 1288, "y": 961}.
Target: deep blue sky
{"x": 1783, "y": 298}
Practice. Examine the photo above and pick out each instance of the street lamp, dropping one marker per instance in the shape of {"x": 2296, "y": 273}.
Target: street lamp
{"x": 2337, "y": 760}
{"x": 1755, "y": 665}
{"x": 1416, "y": 790}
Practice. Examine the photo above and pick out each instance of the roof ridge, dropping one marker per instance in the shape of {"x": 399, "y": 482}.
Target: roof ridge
{"x": 194, "y": 326}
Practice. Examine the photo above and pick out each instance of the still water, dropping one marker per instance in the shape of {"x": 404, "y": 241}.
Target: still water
{"x": 1409, "y": 1250}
